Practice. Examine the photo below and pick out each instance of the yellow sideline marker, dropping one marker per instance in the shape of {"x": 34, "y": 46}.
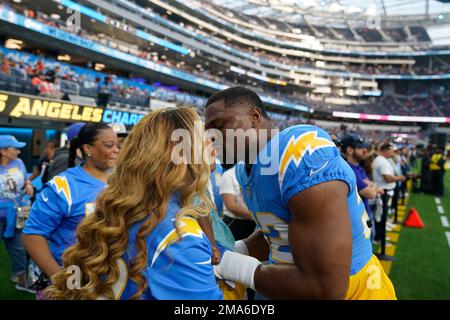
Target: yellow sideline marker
{"x": 393, "y": 236}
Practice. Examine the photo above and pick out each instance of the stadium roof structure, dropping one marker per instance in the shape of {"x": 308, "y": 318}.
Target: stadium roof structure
{"x": 342, "y": 12}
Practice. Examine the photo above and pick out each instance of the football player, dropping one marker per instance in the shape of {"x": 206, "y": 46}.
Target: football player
{"x": 313, "y": 229}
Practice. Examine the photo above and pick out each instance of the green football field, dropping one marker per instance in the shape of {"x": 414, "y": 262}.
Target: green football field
{"x": 421, "y": 271}
{"x": 422, "y": 268}
{"x": 7, "y": 288}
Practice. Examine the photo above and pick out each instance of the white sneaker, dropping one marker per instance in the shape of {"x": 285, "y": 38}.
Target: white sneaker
{"x": 21, "y": 287}
{"x": 14, "y": 278}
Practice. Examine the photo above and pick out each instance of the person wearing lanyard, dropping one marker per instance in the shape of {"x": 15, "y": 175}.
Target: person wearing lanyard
{"x": 13, "y": 185}
{"x": 69, "y": 197}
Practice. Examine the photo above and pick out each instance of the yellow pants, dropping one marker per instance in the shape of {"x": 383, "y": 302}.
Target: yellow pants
{"x": 236, "y": 293}
{"x": 370, "y": 283}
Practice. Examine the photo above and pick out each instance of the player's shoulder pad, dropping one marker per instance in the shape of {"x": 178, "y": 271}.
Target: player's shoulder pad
{"x": 298, "y": 142}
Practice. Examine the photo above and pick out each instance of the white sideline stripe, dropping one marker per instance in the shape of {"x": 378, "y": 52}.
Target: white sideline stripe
{"x": 438, "y": 201}
{"x": 444, "y": 222}
{"x": 448, "y": 237}
{"x": 440, "y": 209}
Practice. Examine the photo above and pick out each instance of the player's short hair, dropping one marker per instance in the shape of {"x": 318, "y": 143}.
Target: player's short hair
{"x": 234, "y": 95}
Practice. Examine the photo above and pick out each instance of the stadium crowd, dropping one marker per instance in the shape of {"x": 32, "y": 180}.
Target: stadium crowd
{"x": 438, "y": 67}
{"x": 44, "y": 76}
{"x": 50, "y": 78}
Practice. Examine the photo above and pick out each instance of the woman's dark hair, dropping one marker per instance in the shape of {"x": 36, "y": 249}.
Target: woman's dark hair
{"x": 87, "y": 135}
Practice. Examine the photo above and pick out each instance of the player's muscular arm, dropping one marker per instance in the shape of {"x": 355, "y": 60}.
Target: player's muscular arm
{"x": 320, "y": 238}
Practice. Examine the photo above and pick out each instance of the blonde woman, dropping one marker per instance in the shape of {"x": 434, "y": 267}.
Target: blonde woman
{"x": 144, "y": 241}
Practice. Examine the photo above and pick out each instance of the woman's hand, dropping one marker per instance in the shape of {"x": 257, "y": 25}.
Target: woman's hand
{"x": 28, "y": 187}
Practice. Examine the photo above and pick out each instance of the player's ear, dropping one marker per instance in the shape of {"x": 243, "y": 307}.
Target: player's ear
{"x": 255, "y": 116}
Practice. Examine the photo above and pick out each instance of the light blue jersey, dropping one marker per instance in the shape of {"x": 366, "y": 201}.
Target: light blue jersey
{"x": 61, "y": 206}
{"x": 176, "y": 269}
{"x": 304, "y": 156}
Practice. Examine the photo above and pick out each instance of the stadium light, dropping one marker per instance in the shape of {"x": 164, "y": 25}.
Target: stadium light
{"x": 320, "y": 64}
{"x": 64, "y": 57}
{"x": 14, "y": 44}
{"x": 99, "y": 66}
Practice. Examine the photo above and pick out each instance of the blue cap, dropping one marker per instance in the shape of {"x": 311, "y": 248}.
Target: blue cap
{"x": 353, "y": 140}
{"x": 7, "y": 141}
{"x": 73, "y": 129}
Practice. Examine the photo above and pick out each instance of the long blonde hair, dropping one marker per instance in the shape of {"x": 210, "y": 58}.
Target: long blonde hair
{"x": 138, "y": 191}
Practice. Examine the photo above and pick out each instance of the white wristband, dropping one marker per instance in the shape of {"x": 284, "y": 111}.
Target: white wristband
{"x": 241, "y": 247}
{"x": 237, "y": 267}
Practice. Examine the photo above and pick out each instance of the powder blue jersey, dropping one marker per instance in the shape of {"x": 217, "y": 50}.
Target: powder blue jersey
{"x": 176, "y": 269}
{"x": 300, "y": 157}
{"x": 61, "y": 206}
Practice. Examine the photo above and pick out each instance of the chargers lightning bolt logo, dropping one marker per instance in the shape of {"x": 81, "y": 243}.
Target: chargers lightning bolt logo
{"x": 62, "y": 185}
{"x": 296, "y": 148}
{"x": 188, "y": 227}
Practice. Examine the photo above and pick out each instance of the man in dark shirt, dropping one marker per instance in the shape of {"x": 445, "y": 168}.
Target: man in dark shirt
{"x": 60, "y": 161}
{"x": 354, "y": 148}
{"x": 50, "y": 149}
